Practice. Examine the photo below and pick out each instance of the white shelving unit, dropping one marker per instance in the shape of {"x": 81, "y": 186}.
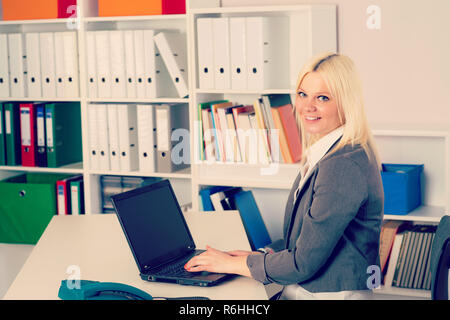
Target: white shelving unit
{"x": 317, "y": 25}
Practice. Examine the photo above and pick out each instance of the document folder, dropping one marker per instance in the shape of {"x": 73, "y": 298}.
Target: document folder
{"x": 113, "y": 136}
{"x": 139, "y": 59}
{"x": 102, "y": 134}
{"x": 12, "y": 134}
{"x": 102, "y": 55}
{"x": 118, "y": 83}
{"x": 48, "y": 67}
{"x": 2, "y": 137}
{"x": 238, "y": 53}
{"x": 173, "y": 50}
{"x": 129, "y": 156}
{"x": 41, "y": 160}
{"x": 17, "y": 68}
{"x": 205, "y": 50}
{"x": 4, "y": 66}
{"x": 33, "y": 64}
{"x": 146, "y": 137}
{"x": 77, "y": 197}
{"x": 172, "y": 156}
{"x": 28, "y": 134}
{"x": 63, "y": 194}
{"x": 63, "y": 131}
{"x": 130, "y": 63}
{"x": 222, "y": 75}
{"x": 91, "y": 65}
{"x": 93, "y": 138}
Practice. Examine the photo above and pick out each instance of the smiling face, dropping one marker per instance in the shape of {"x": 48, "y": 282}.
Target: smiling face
{"x": 317, "y": 108}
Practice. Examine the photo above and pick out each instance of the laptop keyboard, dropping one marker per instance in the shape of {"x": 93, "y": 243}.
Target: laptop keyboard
{"x": 177, "y": 270}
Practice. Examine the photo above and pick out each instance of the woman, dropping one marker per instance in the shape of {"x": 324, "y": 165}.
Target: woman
{"x": 335, "y": 208}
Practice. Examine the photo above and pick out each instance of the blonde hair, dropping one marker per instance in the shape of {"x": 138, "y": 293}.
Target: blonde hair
{"x": 340, "y": 75}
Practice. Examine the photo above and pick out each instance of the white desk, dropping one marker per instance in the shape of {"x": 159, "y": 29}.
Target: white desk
{"x": 96, "y": 246}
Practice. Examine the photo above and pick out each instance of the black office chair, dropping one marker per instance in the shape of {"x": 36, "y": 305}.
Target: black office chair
{"x": 440, "y": 261}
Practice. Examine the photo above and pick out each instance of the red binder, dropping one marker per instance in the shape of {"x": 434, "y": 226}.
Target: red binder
{"x": 173, "y": 6}
{"x": 28, "y": 134}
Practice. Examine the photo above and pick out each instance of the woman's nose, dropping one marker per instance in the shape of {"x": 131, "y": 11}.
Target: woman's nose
{"x": 307, "y": 105}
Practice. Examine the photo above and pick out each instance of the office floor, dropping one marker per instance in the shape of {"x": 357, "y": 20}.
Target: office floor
{"x": 12, "y": 258}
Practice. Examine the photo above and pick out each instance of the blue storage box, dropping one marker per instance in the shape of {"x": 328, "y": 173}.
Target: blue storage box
{"x": 402, "y": 187}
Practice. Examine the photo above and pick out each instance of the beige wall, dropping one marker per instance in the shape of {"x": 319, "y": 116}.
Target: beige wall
{"x": 405, "y": 66}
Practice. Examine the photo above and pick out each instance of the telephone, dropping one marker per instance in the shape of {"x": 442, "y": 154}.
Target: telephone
{"x": 95, "y": 290}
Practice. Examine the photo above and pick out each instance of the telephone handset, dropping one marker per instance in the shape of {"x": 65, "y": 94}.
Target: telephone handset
{"x": 95, "y": 290}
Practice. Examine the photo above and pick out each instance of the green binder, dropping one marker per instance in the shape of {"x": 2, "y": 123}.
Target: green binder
{"x": 27, "y": 204}
{"x": 63, "y": 134}
{"x": 2, "y": 137}
{"x": 12, "y": 134}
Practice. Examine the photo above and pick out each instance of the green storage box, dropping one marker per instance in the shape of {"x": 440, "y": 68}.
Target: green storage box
{"x": 27, "y": 204}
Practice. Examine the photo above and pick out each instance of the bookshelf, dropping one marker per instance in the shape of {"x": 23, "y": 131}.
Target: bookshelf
{"x": 317, "y": 23}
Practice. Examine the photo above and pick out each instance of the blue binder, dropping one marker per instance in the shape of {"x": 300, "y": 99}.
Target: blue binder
{"x": 251, "y": 218}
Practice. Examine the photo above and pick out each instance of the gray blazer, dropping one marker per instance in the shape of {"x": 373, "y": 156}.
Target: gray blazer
{"x": 332, "y": 231}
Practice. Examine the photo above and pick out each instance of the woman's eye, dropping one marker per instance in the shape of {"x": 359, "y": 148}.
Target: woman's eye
{"x": 323, "y": 98}
{"x": 302, "y": 94}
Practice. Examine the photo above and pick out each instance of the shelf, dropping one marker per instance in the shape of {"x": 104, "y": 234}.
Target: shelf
{"x": 181, "y": 174}
{"x": 420, "y": 214}
{"x": 135, "y": 18}
{"x": 71, "y": 168}
{"x": 34, "y": 99}
{"x": 256, "y": 9}
{"x": 418, "y": 293}
{"x": 138, "y": 100}
{"x": 274, "y": 176}
{"x": 261, "y": 92}
{"x": 35, "y": 21}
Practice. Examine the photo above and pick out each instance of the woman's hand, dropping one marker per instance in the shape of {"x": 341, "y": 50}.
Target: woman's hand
{"x": 213, "y": 260}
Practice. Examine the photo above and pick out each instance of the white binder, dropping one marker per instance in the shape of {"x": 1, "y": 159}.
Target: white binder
{"x": 157, "y": 78}
{"x": 139, "y": 63}
{"x": 47, "y": 47}
{"x": 93, "y": 138}
{"x": 130, "y": 64}
{"x": 102, "y": 51}
{"x": 222, "y": 76}
{"x": 17, "y": 69}
{"x": 146, "y": 137}
{"x": 118, "y": 82}
{"x": 4, "y": 66}
{"x": 263, "y": 70}
{"x": 129, "y": 156}
{"x": 72, "y": 82}
{"x": 33, "y": 65}
{"x": 205, "y": 50}
{"x": 91, "y": 64}
{"x": 173, "y": 50}
{"x": 238, "y": 54}
{"x": 59, "y": 65}
{"x": 113, "y": 133}
{"x": 102, "y": 134}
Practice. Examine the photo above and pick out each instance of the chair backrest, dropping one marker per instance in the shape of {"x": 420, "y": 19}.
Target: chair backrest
{"x": 440, "y": 261}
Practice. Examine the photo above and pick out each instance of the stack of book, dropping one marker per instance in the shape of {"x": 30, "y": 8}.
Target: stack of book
{"x": 409, "y": 260}
{"x": 112, "y": 185}
{"x": 40, "y": 134}
{"x": 218, "y": 198}
{"x": 253, "y": 134}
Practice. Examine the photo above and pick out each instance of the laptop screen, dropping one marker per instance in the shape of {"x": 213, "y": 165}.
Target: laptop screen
{"x": 153, "y": 223}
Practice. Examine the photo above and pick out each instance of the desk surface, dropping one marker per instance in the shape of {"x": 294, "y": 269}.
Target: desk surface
{"x": 93, "y": 247}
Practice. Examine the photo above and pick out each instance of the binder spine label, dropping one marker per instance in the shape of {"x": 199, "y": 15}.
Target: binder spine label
{"x": 25, "y": 126}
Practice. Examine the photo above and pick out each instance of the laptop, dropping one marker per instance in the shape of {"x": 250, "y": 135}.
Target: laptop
{"x": 158, "y": 235}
